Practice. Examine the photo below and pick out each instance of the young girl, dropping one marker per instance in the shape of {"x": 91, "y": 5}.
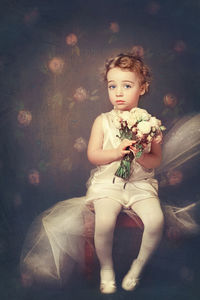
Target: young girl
{"x": 127, "y": 78}
{"x": 58, "y": 234}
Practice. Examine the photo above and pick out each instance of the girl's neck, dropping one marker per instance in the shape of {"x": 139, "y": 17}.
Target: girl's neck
{"x": 115, "y": 108}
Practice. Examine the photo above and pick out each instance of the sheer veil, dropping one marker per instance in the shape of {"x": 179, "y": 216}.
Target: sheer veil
{"x": 181, "y": 143}
{"x": 181, "y": 151}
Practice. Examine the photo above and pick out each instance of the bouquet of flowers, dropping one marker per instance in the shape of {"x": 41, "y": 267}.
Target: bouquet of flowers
{"x": 138, "y": 125}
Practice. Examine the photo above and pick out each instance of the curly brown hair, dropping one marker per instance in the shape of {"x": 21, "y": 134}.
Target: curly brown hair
{"x": 130, "y": 62}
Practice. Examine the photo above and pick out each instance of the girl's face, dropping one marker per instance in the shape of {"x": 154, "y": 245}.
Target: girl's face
{"x": 124, "y": 88}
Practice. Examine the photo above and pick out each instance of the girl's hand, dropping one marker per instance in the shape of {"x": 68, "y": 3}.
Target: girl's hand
{"x": 136, "y": 150}
{"x": 122, "y": 149}
{"x": 158, "y": 139}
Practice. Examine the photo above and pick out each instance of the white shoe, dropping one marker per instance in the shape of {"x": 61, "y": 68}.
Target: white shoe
{"x": 129, "y": 283}
{"x": 107, "y": 286}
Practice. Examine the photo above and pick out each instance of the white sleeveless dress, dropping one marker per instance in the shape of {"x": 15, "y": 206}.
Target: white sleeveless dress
{"x": 103, "y": 184}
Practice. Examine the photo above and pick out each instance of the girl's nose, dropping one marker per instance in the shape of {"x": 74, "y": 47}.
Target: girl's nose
{"x": 119, "y": 91}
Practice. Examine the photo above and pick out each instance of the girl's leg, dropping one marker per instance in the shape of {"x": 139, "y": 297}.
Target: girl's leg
{"x": 152, "y": 217}
{"x": 106, "y": 212}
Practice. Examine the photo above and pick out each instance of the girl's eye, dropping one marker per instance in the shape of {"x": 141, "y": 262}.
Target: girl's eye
{"x": 111, "y": 87}
{"x": 127, "y": 86}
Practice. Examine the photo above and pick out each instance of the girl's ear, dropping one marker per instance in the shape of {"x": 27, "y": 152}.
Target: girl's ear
{"x": 144, "y": 88}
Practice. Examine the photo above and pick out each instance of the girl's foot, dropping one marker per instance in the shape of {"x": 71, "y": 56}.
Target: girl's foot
{"x": 129, "y": 283}
{"x": 131, "y": 280}
{"x": 107, "y": 285}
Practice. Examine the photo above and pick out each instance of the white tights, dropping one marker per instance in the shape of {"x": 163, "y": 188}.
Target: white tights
{"x": 106, "y": 212}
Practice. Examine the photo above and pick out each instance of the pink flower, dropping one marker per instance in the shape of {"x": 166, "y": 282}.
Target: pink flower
{"x": 138, "y": 50}
{"x": 180, "y": 46}
{"x": 56, "y": 65}
{"x": 80, "y": 144}
{"x": 170, "y": 100}
{"x": 153, "y": 8}
{"x": 34, "y": 177}
{"x": 114, "y": 27}
{"x": 24, "y": 117}
{"x": 174, "y": 177}
{"x": 80, "y": 94}
{"x": 71, "y": 39}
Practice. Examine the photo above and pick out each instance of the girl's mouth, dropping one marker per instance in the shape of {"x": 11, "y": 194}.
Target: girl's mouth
{"x": 120, "y": 101}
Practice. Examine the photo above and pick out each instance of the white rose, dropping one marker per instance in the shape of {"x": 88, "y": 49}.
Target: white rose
{"x": 146, "y": 116}
{"x": 133, "y": 110}
{"x": 131, "y": 121}
{"x": 125, "y": 115}
{"x": 139, "y": 134}
{"x": 144, "y": 127}
{"x": 138, "y": 115}
{"x": 155, "y": 122}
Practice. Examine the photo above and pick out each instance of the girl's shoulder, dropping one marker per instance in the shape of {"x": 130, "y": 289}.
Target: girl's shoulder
{"x": 103, "y": 116}
{"x": 107, "y": 114}
{"x": 103, "y": 120}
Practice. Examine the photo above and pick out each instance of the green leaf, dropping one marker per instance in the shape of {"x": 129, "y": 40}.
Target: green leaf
{"x": 162, "y": 128}
{"x": 138, "y": 154}
{"x": 125, "y": 166}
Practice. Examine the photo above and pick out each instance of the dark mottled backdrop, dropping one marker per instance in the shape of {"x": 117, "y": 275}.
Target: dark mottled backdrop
{"x": 51, "y": 58}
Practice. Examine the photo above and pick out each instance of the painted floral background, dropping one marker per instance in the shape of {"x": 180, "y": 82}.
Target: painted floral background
{"x": 51, "y": 89}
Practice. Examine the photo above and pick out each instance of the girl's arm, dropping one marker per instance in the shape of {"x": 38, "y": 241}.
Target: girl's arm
{"x": 96, "y": 154}
{"x": 152, "y": 159}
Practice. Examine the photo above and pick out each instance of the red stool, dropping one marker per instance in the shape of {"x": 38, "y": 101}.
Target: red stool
{"x": 123, "y": 221}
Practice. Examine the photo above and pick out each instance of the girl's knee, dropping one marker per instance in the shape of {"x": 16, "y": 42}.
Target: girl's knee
{"x": 104, "y": 222}
{"x": 154, "y": 223}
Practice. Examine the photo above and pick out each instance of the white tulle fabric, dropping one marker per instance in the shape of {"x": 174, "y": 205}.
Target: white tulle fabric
{"x": 55, "y": 242}
{"x": 181, "y": 143}
{"x": 181, "y": 149}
